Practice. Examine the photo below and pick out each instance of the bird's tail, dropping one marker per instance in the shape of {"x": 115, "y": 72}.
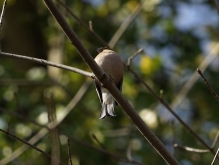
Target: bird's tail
{"x": 107, "y": 110}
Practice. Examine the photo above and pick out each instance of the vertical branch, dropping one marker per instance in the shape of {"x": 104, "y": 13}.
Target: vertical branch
{"x": 54, "y": 136}
{"x": 1, "y": 19}
{"x": 69, "y": 152}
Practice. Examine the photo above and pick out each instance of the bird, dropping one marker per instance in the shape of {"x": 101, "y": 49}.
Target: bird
{"x": 112, "y": 64}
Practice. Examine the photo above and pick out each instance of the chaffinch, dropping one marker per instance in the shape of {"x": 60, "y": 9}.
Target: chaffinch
{"x": 112, "y": 64}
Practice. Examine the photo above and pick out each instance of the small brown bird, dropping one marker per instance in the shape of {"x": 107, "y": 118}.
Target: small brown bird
{"x": 112, "y": 64}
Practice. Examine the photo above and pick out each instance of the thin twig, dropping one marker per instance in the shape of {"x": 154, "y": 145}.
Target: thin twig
{"x": 96, "y": 139}
{"x": 45, "y": 62}
{"x": 83, "y": 24}
{"x": 1, "y": 18}
{"x": 215, "y": 156}
{"x": 191, "y": 149}
{"x": 69, "y": 152}
{"x": 209, "y": 86}
{"x": 132, "y": 56}
{"x": 215, "y": 140}
{"x": 173, "y": 136}
{"x": 197, "y": 150}
{"x": 32, "y": 146}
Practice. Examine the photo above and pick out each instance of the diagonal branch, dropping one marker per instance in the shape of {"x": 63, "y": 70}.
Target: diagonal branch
{"x": 83, "y": 24}
{"x": 215, "y": 156}
{"x": 209, "y": 86}
{"x": 105, "y": 80}
{"x": 32, "y": 146}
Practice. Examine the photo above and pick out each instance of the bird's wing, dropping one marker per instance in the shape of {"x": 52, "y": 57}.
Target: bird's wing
{"x": 119, "y": 86}
{"x": 98, "y": 89}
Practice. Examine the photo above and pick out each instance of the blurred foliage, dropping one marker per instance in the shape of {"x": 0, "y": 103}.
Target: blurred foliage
{"x": 174, "y": 45}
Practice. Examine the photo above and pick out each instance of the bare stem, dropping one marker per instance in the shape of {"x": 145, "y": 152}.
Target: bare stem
{"x": 96, "y": 139}
{"x": 32, "y": 146}
{"x": 191, "y": 149}
{"x": 215, "y": 156}
{"x": 215, "y": 140}
{"x": 133, "y": 56}
{"x": 209, "y": 86}
{"x": 69, "y": 152}
{"x": 45, "y": 62}
{"x": 1, "y": 18}
{"x": 83, "y": 24}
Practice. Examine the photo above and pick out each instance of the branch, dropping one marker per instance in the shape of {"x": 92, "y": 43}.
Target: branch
{"x": 190, "y": 149}
{"x": 215, "y": 140}
{"x": 69, "y": 152}
{"x": 209, "y": 86}
{"x": 133, "y": 56}
{"x": 215, "y": 156}
{"x": 23, "y": 141}
{"x": 105, "y": 80}
{"x": 83, "y": 24}
{"x": 1, "y": 17}
{"x": 45, "y": 62}
{"x": 95, "y": 138}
